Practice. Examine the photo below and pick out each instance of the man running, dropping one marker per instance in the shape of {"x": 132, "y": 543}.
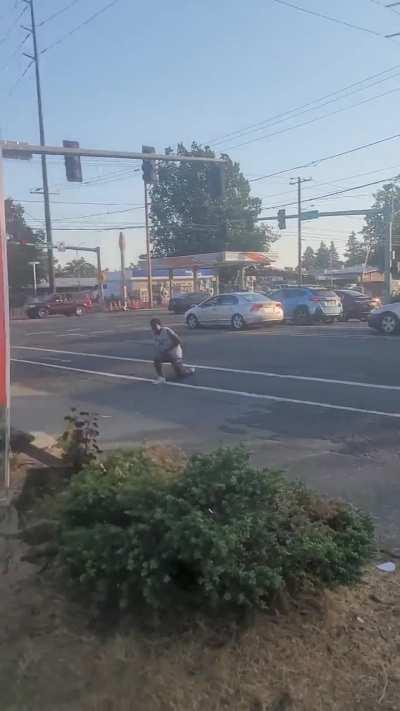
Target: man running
{"x": 168, "y": 350}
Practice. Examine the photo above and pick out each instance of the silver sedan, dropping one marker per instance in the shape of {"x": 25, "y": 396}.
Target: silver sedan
{"x": 237, "y": 310}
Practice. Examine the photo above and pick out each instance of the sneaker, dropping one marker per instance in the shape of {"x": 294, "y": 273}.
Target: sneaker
{"x": 160, "y": 380}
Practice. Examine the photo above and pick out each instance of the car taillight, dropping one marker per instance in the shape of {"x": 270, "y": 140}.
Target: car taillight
{"x": 278, "y": 305}
{"x": 315, "y": 298}
{"x": 257, "y": 307}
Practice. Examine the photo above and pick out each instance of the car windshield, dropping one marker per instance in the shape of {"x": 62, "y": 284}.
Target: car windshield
{"x": 252, "y": 296}
{"x": 324, "y": 293}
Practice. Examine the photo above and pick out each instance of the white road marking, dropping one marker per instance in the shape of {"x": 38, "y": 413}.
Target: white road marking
{"x": 206, "y": 388}
{"x": 261, "y": 373}
{"x": 39, "y": 333}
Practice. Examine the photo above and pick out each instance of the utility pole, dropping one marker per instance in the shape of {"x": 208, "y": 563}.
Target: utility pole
{"x": 387, "y": 236}
{"x": 46, "y": 197}
{"x": 148, "y": 247}
{"x": 298, "y": 181}
{"x": 100, "y": 275}
{"x": 121, "y": 243}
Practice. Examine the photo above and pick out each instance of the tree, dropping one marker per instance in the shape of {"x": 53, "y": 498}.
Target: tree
{"x": 355, "y": 251}
{"x": 334, "y": 260}
{"x": 77, "y": 268}
{"x": 322, "y": 260}
{"x": 373, "y": 231}
{"x": 186, "y": 220}
{"x": 309, "y": 260}
{"x": 20, "y": 273}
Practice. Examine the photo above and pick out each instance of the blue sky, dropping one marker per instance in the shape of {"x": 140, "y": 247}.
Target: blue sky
{"x": 158, "y": 73}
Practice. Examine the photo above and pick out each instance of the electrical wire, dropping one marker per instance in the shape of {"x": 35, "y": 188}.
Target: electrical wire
{"x": 332, "y": 182}
{"x": 317, "y": 161}
{"x": 328, "y": 17}
{"x": 338, "y": 192}
{"x": 20, "y": 78}
{"x": 315, "y": 119}
{"x": 78, "y": 202}
{"x": 58, "y": 13}
{"x": 288, "y": 114}
{"x": 88, "y": 20}
{"x": 385, "y": 7}
{"x": 4, "y": 37}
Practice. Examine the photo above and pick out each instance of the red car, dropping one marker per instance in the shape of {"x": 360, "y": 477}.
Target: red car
{"x": 60, "y": 304}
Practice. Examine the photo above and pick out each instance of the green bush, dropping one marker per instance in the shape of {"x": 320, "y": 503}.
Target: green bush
{"x": 220, "y": 533}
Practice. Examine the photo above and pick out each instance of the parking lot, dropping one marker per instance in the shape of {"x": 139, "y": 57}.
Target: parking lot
{"x": 321, "y": 401}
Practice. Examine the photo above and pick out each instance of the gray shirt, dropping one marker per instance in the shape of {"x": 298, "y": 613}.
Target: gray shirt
{"x": 165, "y": 343}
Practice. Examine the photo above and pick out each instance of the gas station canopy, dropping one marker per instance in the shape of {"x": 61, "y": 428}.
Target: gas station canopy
{"x": 214, "y": 259}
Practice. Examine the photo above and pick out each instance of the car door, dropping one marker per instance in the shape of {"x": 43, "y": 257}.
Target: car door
{"x": 293, "y": 298}
{"x": 206, "y": 312}
{"x": 227, "y": 305}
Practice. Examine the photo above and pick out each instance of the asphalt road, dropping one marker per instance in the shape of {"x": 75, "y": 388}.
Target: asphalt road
{"x": 321, "y": 401}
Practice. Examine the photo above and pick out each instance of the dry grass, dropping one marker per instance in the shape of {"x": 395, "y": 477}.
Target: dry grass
{"x": 337, "y": 652}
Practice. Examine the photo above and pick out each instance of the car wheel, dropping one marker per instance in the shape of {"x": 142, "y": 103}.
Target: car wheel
{"x": 78, "y": 311}
{"x": 42, "y": 313}
{"x": 301, "y": 316}
{"x": 192, "y": 321}
{"x": 238, "y": 323}
{"x": 389, "y": 323}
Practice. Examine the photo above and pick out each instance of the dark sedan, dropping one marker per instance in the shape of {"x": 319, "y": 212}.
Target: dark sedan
{"x": 357, "y": 305}
{"x": 180, "y": 303}
{"x": 59, "y": 304}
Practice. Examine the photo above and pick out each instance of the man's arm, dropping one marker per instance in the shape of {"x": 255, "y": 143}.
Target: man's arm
{"x": 175, "y": 340}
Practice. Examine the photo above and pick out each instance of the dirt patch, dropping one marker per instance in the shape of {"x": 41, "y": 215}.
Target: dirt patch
{"x": 338, "y": 652}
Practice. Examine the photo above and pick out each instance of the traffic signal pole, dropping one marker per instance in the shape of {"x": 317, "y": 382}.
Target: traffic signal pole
{"x": 299, "y": 181}
{"x": 46, "y": 197}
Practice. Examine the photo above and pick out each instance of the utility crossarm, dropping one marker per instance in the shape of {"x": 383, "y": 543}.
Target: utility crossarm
{"x": 11, "y": 149}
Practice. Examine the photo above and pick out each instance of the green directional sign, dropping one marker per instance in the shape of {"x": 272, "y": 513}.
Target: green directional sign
{"x": 310, "y": 215}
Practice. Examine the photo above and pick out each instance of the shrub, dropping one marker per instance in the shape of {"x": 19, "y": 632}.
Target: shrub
{"x": 79, "y": 440}
{"x": 220, "y": 533}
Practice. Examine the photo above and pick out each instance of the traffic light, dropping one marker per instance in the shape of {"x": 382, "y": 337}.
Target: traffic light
{"x": 215, "y": 181}
{"x": 149, "y": 166}
{"x": 73, "y": 166}
{"x": 282, "y": 219}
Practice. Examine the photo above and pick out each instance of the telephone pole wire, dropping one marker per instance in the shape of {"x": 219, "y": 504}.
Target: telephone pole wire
{"x": 298, "y": 181}
{"x": 46, "y": 197}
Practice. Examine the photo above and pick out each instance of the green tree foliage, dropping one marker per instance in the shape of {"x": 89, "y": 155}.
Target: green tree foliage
{"x": 185, "y": 220}
{"x": 309, "y": 260}
{"x": 322, "y": 260}
{"x": 77, "y": 268}
{"x": 219, "y": 533}
{"x": 18, "y": 256}
{"x": 373, "y": 231}
{"x": 334, "y": 259}
{"x": 355, "y": 251}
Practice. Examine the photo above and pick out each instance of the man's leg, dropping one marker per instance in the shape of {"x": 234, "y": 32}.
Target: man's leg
{"x": 158, "y": 366}
{"x": 181, "y": 371}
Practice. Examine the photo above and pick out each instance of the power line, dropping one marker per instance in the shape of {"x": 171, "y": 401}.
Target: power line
{"x": 88, "y": 20}
{"x": 337, "y": 192}
{"x": 328, "y": 17}
{"x": 20, "y": 78}
{"x": 385, "y": 7}
{"x": 58, "y": 12}
{"x": 287, "y": 114}
{"x": 317, "y": 161}
{"x": 78, "y": 202}
{"x": 315, "y": 119}
{"x": 4, "y": 37}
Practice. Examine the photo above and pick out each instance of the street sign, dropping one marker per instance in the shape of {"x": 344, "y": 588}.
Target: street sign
{"x": 310, "y": 215}
{"x": 18, "y": 153}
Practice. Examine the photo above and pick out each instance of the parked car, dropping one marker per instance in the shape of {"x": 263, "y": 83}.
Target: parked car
{"x": 356, "y": 305}
{"x": 306, "y": 304}
{"x": 386, "y": 319}
{"x": 60, "y": 304}
{"x": 180, "y": 303}
{"x": 237, "y": 310}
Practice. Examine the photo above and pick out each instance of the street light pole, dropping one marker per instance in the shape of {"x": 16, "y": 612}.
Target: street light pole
{"x": 298, "y": 181}
{"x": 148, "y": 247}
{"x": 46, "y": 197}
{"x": 388, "y": 229}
